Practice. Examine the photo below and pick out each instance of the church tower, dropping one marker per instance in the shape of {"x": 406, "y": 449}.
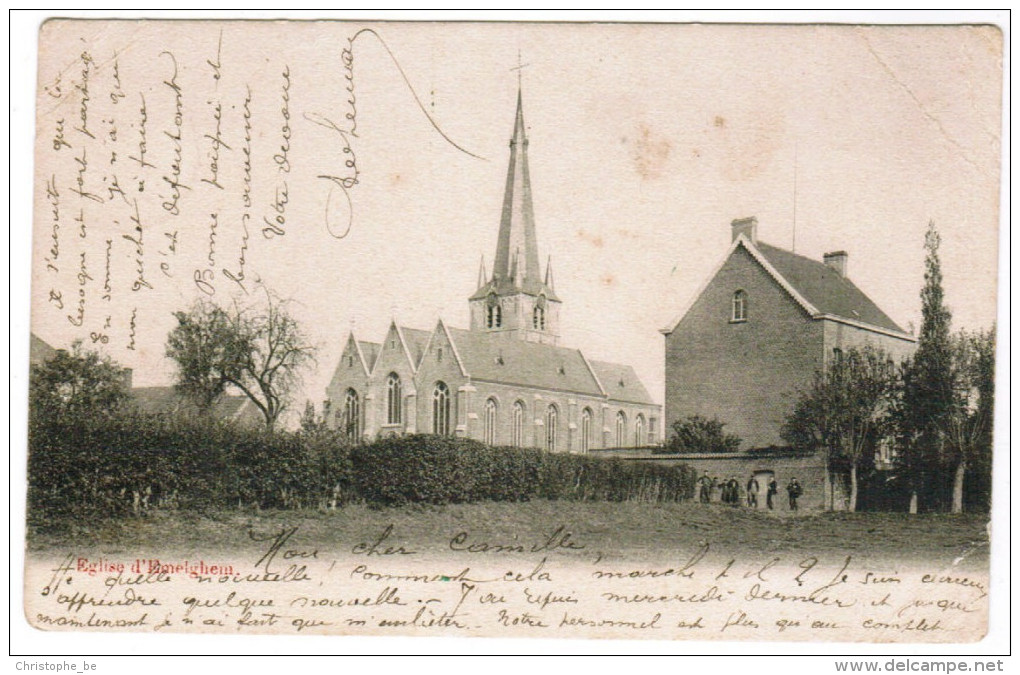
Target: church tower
{"x": 517, "y": 301}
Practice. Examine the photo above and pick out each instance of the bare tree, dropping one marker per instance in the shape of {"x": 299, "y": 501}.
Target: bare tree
{"x": 257, "y": 348}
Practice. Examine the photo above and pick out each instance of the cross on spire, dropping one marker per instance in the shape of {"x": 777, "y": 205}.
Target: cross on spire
{"x": 519, "y": 67}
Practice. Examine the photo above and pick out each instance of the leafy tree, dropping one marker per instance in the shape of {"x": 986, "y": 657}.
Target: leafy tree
{"x": 930, "y": 395}
{"x": 76, "y": 385}
{"x": 845, "y": 411}
{"x": 699, "y": 434}
{"x": 259, "y": 349}
{"x": 968, "y": 424}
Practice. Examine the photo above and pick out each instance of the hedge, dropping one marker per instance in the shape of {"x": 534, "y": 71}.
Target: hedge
{"x": 119, "y": 466}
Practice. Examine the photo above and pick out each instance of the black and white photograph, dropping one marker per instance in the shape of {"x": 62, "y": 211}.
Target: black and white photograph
{"x": 683, "y": 333}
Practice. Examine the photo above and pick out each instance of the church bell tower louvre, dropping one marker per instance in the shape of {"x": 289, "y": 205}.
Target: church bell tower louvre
{"x": 516, "y": 300}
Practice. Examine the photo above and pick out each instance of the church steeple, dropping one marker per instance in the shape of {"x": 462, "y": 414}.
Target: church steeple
{"x": 517, "y": 224}
{"x": 516, "y": 301}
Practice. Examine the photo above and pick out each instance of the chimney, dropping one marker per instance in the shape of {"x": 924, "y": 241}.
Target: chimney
{"x": 837, "y": 261}
{"x": 128, "y": 377}
{"x": 747, "y": 227}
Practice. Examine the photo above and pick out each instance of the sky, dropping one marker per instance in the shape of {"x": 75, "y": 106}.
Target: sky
{"x": 645, "y": 142}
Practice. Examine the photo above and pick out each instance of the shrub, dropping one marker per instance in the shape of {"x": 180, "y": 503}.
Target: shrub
{"x": 128, "y": 464}
{"x": 697, "y": 434}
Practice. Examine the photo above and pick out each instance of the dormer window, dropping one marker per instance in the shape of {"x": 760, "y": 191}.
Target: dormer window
{"x": 739, "y": 307}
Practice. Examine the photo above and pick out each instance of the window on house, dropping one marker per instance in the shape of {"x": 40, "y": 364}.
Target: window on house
{"x": 739, "y": 306}
{"x": 586, "y": 417}
{"x": 837, "y": 354}
{"x": 489, "y": 430}
{"x": 639, "y": 431}
{"x": 352, "y": 415}
{"x": 393, "y": 399}
{"x": 551, "y": 417}
{"x": 439, "y": 354}
{"x": 621, "y": 429}
{"x": 441, "y": 409}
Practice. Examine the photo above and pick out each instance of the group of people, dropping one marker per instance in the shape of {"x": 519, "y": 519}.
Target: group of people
{"x": 729, "y": 491}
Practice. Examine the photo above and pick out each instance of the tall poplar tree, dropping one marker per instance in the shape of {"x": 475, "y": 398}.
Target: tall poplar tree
{"x": 929, "y": 389}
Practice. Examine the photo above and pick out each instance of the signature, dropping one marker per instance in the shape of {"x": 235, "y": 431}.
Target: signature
{"x": 339, "y": 212}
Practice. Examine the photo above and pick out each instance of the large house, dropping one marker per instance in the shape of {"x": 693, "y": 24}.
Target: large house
{"x": 505, "y": 380}
{"x": 754, "y": 335}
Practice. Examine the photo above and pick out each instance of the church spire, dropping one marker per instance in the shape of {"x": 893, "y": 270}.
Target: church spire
{"x": 517, "y": 224}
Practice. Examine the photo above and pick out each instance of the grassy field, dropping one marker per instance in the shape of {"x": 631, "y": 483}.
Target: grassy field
{"x": 636, "y": 531}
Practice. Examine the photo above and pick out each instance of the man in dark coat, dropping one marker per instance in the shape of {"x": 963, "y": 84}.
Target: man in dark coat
{"x": 794, "y": 490}
{"x": 705, "y": 494}
{"x": 772, "y": 491}
{"x": 752, "y": 492}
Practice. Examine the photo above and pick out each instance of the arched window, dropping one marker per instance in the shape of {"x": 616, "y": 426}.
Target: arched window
{"x": 639, "y": 431}
{"x": 393, "y": 399}
{"x": 538, "y": 314}
{"x": 739, "y": 306}
{"x": 621, "y": 429}
{"x": 352, "y": 415}
{"x": 586, "y": 429}
{"x": 489, "y": 430}
{"x": 493, "y": 313}
{"x": 551, "y": 418}
{"x": 441, "y": 409}
{"x": 517, "y": 429}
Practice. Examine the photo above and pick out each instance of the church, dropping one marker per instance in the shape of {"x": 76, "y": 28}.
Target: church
{"x": 505, "y": 380}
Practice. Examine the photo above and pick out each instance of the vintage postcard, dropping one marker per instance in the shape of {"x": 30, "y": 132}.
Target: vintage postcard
{"x": 633, "y": 331}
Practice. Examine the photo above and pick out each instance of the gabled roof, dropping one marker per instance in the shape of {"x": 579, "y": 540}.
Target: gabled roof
{"x": 156, "y": 400}
{"x": 826, "y": 289}
{"x": 621, "y": 383}
{"x": 821, "y": 291}
{"x": 39, "y": 350}
{"x": 494, "y": 358}
{"x": 415, "y": 341}
{"x": 369, "y": 353}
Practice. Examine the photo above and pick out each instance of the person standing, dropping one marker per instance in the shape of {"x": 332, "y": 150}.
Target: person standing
{"x": 770, "y": 494}
{"x": 794, "y": 490}
{"x": 752, "y": 492}
{"x": 705, "y": 493}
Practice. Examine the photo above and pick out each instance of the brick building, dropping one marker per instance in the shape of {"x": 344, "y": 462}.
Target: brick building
{"x": 504, "y": 381}
{"x": 754, "y": 335}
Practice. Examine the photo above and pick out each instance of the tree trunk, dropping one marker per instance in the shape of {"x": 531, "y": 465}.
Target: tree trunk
{"x": 852, "y": 506}
{"x": 961, "y": 470}
{"x": 913, "y": 501}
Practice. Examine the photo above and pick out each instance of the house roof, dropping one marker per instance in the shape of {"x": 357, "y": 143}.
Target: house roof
{"x": 154, "y": 400}
{"x": 820, "y": 290}
{"x": 621, "y": 383}
{"x": 826, "y": 289}
{"x": 39, "y": 350}
{"x": 496, "y": 359}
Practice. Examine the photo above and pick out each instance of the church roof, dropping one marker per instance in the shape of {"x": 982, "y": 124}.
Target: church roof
{"x": 494, "y": 358}
{"x": 370, "y": 350}
{"x": 416, "y": 340}
{"x": 826, "y": 289}
{"x": 621, "y": 383}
